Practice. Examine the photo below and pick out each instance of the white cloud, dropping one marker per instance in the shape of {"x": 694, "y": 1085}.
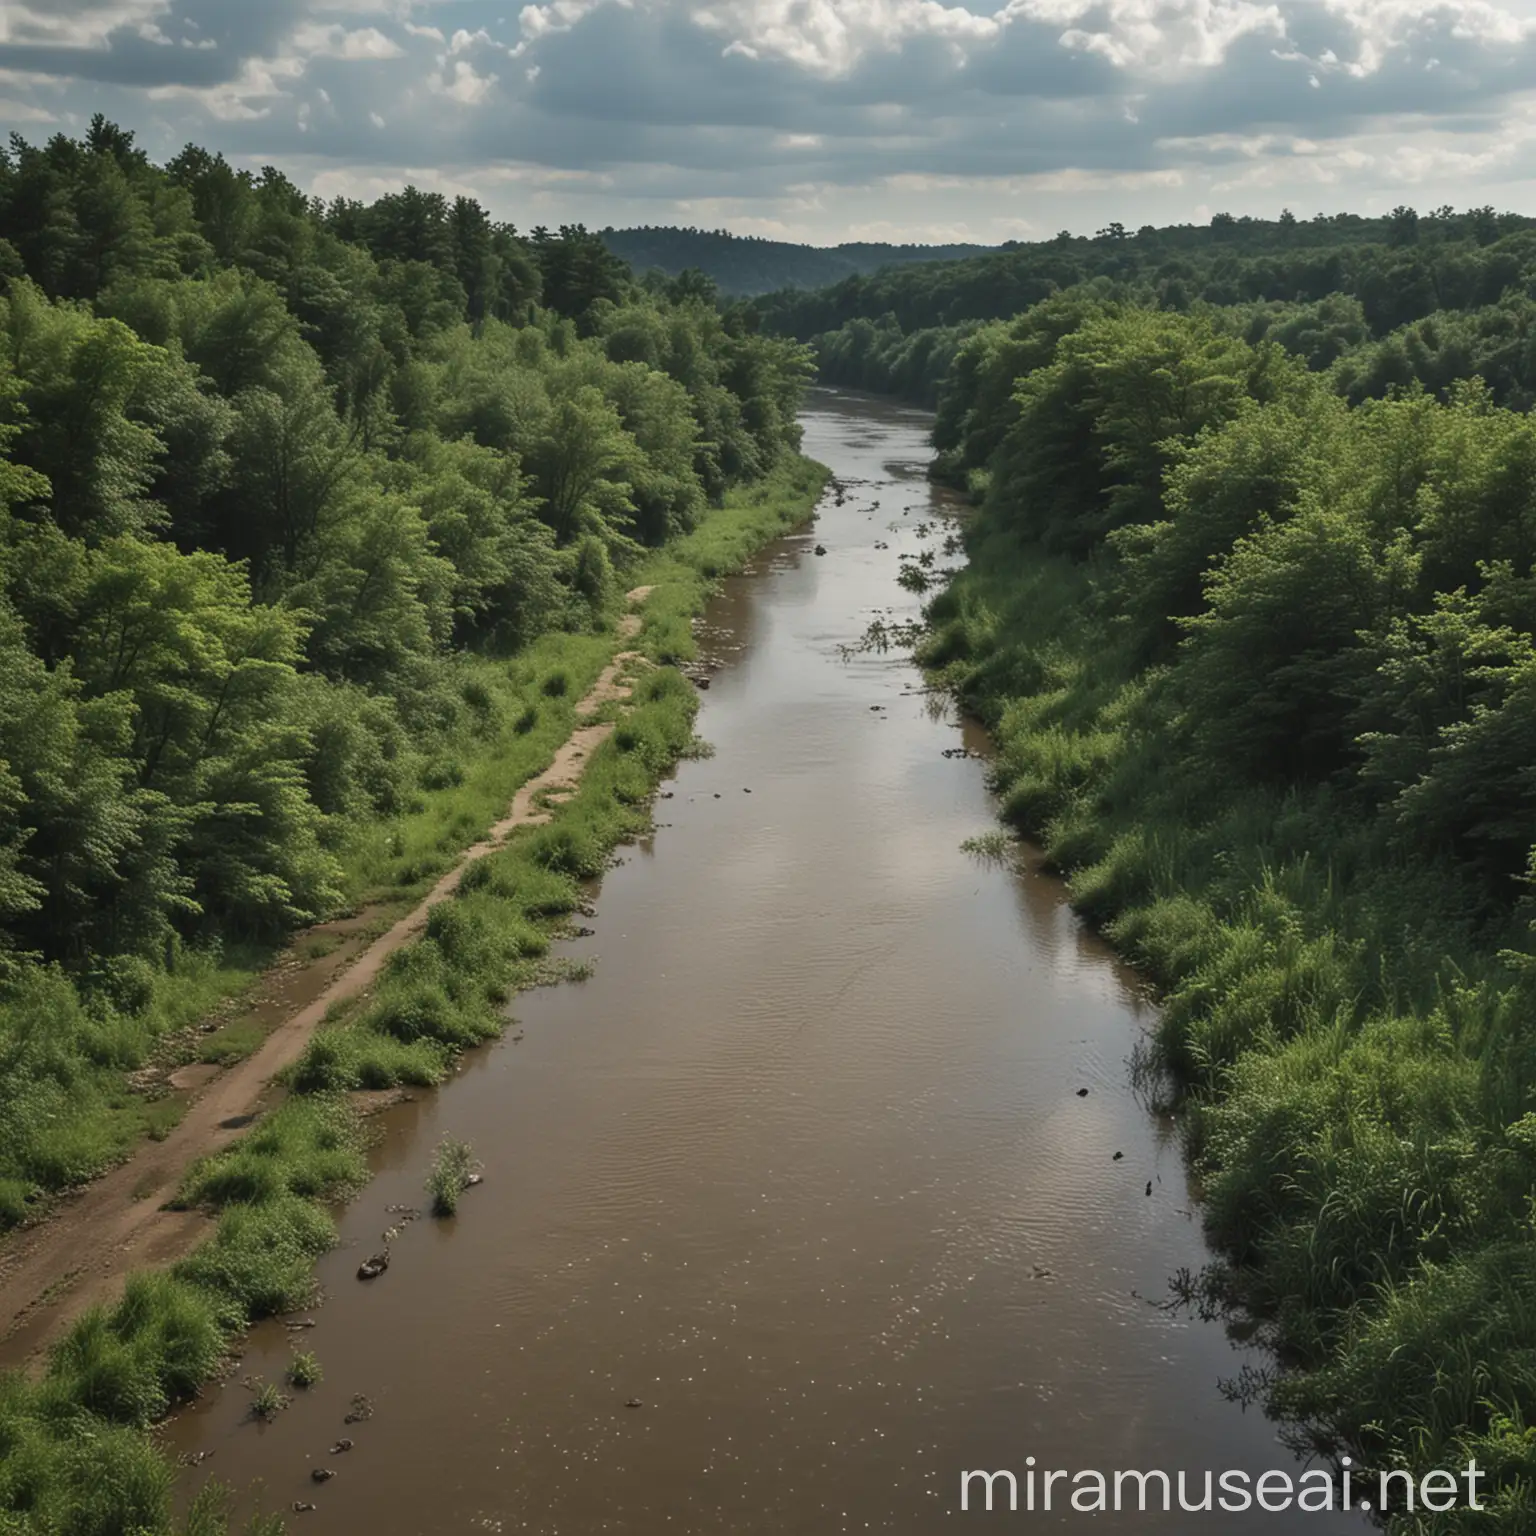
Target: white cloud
{"x": 336, "y": 42}
{"x": 87, "y": 26}
{"x": 832, "y": 36}
{"x": 24, "y": 112}
{"x": 558, "y": 16}
{"x": 249, "y": 96}
{"x": 1155, "y": 35}
{"x": 466, "y": 85}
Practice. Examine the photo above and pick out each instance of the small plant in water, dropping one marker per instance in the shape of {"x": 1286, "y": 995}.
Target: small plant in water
{"x": 454, "y": 1169}
{"x": 268, "y": 1400}
{"x": 995, "y": 845}
{"x": 304, "y": 1369}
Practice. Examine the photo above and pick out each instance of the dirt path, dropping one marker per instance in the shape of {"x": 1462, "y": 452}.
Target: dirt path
{"x": 82, "y": 1253}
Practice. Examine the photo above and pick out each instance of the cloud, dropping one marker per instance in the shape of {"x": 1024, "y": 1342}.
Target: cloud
{"x": 831, "y": 37}
{"x": 464, "y": 85}
{"x": 816, "y": 115}
{"x": 336, "y": 42}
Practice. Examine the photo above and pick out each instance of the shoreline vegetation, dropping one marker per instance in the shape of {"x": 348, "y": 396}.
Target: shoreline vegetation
{"x": 121, "y": 1368}
{"x": 315, "y": 524}
{"x": 1259, "y": 666}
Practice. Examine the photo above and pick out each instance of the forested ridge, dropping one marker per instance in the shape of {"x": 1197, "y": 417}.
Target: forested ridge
{"x": 1371, "y": 302}
{"x": 278, "y": 479}
{"x": 1259, "y": 652}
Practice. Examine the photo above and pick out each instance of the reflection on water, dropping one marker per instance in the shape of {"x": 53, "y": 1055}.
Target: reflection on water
{"x": 805, "y": 1170}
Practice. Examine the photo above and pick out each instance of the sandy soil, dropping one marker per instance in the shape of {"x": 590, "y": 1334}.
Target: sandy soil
{"x": 81, "y": 1254}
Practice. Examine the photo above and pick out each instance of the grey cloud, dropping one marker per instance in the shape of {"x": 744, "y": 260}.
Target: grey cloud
{"x": 623, "y": 66}
{"x": 238, "y": 31}
{"x": 658, "y": 104}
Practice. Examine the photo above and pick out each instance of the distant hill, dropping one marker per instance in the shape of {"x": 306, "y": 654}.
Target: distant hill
{"x": 745, "y": 265}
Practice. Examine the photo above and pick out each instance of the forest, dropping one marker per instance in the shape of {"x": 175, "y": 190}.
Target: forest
{"x": 746, "y": 265}
{"x": 1250, "y": 608}
{"x": 1373, "y": 303}
{"x": 275, "y": 475}
{"x": 314, "y": 522}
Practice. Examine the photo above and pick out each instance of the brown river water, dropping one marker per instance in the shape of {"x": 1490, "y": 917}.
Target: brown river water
{"x": 803, "y": 1168}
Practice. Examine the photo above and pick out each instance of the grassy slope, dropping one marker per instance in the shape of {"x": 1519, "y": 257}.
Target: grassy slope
{"x": 1352, "y": 1048}
{"x": 74, "y": 1458}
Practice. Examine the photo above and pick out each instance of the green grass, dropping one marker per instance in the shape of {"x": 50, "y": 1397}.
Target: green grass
{"x": 534, "y": 709}
{"x": 231, "y": 1043}
{"x": 1354, "y": 1051}
{"x": 74, "y": 1460}
{"x": 310, "y": 1146}
{"x": 304, "y": 1369}
{"x": 267, "y": 1400}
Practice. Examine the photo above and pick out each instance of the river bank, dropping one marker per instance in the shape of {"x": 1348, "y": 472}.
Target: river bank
{"x": 408, "y": 1009}
{"x": 802, "y": 1169}
{"x": 1344, "y": 1044}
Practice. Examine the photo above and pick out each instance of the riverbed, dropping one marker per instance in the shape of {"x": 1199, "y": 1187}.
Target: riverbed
{"x": 818, "y": 1170}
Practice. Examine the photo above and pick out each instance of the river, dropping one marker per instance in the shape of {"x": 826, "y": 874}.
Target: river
{"x": 805, "y": 1169}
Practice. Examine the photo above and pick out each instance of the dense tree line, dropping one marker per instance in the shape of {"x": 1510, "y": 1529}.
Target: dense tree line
{"x": 747, "y": 265}
{"x": 1373, "y": 303}
{"x": 1262, "y": 664}
{"x": 269, "y": 469}
{"x": 1401, "y": 268}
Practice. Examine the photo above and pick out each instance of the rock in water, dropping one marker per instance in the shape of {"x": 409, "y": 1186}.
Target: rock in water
{"x": 371, "y": 1269}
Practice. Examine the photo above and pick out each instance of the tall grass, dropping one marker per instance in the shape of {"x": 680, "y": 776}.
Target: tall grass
{"x": 1354, "y": 1045}
{"x": 453, "y": 1168}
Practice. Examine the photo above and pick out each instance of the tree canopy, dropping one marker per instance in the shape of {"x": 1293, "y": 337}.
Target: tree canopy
{"x": 269, "y": 469}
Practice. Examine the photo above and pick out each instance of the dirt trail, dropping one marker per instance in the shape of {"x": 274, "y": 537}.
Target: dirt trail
{"x": 81, "y": 1254}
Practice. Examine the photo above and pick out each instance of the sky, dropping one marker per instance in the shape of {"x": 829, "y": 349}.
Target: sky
{"x": 816, "y": 120}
